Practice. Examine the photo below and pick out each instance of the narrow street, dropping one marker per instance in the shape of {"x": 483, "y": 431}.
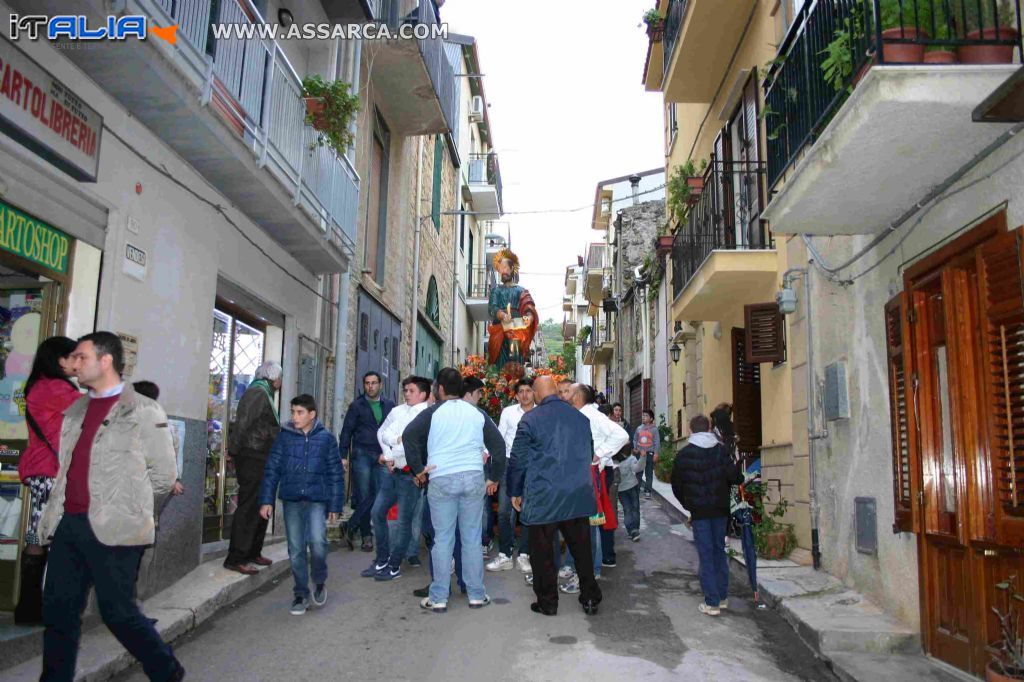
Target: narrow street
{"x": 648, "y": 628}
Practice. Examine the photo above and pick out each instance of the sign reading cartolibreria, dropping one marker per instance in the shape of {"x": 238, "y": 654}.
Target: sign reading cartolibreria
{"x": 44, "y": 115}
{"x": 33, "y": 240}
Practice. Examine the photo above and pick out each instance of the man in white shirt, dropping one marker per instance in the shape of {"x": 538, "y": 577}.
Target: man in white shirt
{"x": 507, "y": 425}
{"x": 398, "y": 486}
{"x": 609, "y": 438}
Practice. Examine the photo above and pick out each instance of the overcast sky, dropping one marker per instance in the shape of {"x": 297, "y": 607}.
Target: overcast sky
{"x": 567, "y": 109}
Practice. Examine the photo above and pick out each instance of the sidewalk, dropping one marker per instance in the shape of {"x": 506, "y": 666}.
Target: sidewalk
{"x": 859, "y": 640}
{"x": 179, "y": 609}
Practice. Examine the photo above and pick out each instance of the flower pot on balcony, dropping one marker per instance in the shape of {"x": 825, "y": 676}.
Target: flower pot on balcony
{"x": 696, "y": 185}
{"x": 315, "y": 107}
{"x": 656, "y": 31}
{"x": 940, "y": 57}
{"x": 664, "y": 246}
{"x": 899, "y": 52}
{"x": 988, "y": 54}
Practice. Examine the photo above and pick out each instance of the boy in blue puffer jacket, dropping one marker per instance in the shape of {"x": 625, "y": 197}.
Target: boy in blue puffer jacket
{"x": 306, "y": 463}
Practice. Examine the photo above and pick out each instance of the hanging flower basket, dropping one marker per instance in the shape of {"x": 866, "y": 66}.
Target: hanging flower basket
{"x": 315, "y": 108}
{"x": 665, "y": 244}
{"x": 656, "y": 31}
{"x": 330, "y": 110}
{"x": 696, "y": 185}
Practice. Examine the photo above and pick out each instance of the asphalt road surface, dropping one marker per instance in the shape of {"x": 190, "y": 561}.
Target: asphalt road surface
{"x": 648, "y": 628}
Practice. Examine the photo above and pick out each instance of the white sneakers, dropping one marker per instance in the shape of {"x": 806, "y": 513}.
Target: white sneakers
{"x": 524, "y": 563}
{"x": 572, "y": 586}
{"x": 708, "y": 610}
{"x": 500, "y": 563}
{"x": 566, "y": 572}
{"x": 724, "y": 604}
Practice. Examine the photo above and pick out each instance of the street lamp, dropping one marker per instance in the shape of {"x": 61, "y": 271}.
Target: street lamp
{"x": 675, "y": 350}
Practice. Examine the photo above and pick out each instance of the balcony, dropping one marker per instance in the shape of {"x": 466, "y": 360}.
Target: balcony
{"x": 231, "y": 109}
{"x": 479, "y": 282}
{"x": 598, "y": 270}
{"x": 723, "y": 255}
{"x": 413, "y": 80}
{"x": 695, "y": 55}
{"x": 568, "y": 330}
{"x": 853, "y": 161}
{"x": 485, "y": 186}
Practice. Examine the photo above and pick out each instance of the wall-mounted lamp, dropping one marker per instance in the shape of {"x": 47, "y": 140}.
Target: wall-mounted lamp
{"x": 285, "y": 18}
{"x": 674, "y": 350}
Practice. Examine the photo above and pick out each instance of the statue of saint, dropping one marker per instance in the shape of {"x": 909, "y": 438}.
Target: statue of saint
{"x": 513, "y": 317}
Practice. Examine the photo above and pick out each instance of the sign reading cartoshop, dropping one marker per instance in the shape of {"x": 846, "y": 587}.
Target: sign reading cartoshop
{"x": 33, "y": 240}
{"x": 44, "y": 115}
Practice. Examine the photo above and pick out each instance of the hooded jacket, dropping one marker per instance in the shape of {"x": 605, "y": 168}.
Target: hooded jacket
{"x": 307, "y": 466}
{"x": 701, "y": 477}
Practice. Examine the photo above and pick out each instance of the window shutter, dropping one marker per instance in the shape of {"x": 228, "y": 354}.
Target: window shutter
{"x": 895, "y": 315}
{"x": 1002, "y": 293}
{"x": 765, "y": 336}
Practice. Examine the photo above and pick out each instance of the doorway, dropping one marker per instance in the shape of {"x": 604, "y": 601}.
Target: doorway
{"x": 237, "y": 350}
{"x": 964, "y": 330}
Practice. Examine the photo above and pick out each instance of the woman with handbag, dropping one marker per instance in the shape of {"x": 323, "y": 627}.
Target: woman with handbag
{"x": 48, "y": 392}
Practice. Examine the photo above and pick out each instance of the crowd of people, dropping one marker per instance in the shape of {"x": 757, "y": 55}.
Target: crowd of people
{"x": 556, "y": 466}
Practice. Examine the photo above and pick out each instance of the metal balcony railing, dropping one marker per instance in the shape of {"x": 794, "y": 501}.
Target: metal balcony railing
{"x": 673, "y": 26}
{"x": 725, "y": 216}
{"x": 479, "y": 281}
{"x": 799, "y": 101}
{"x": 597, "y": 259}
{"x": 396, "y": 13}
{"x": 258, "y": 76}
{"x": 485, "y": 170}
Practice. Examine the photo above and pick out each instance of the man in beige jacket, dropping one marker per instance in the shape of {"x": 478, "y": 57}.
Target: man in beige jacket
{"x": 116, "y": 453}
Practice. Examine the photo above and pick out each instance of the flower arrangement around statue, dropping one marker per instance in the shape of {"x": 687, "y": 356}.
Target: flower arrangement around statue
{"x": 500, "y": 387}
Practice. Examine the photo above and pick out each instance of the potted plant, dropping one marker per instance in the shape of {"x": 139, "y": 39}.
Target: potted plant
{"x": 1008, "y": 652}
{"x": 584, "y": 335}
{"x": 772, "y": 538}
{"x": 903, "y": 20}
{"x": 655, "y": 25}
{"x": 330, "y": 109}
{"x": 666, "y": 457}
{"x": 664, "y": 244}
{"x": 981, "y": 25}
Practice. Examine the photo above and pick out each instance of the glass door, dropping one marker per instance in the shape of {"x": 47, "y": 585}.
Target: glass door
{"x": 236, "y": 352}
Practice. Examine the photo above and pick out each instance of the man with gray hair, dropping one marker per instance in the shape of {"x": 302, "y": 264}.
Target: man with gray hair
{"x": 250, "y": 436}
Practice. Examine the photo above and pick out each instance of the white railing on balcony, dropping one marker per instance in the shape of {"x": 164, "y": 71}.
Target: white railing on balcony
{"x": 258, "y": 75}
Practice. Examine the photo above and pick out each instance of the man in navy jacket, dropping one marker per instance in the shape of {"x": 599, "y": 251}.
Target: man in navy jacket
{"x": 550, "y": 483}
{"x": 362, "y": 455}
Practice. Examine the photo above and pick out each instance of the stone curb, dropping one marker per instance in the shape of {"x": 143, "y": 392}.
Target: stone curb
{"x": 179, "y": 609}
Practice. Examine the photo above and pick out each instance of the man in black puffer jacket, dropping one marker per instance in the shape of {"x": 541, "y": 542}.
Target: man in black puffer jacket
{"x": 701, "y": 477}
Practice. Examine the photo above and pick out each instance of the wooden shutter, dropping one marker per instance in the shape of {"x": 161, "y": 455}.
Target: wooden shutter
{"x": 899, "y": 390}
{"x": 765, "y": 335}
{"x": 746, "y": 397}
{"x": 1002, "y": 294}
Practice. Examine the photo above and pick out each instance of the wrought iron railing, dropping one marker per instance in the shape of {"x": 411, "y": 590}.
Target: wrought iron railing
{"x": 726, "y": 216}
{"x": 258, "y": 75}
{"x": 395, "y": 13}
{"x": 484, "y": 170}
{"x": 800, "y": 101}
{"x": 673, "y": 26}
{"x": 479, "y": 281}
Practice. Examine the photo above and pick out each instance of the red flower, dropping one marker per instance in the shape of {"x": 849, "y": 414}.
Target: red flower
{"x": 495, "y": 402}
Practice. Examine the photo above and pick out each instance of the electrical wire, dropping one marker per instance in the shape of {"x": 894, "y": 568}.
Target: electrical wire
{"x": 219, "y": 209}
{"x": 564, "y": 210}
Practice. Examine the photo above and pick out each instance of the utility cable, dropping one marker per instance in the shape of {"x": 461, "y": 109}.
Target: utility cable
{"x": 219, "y": 209}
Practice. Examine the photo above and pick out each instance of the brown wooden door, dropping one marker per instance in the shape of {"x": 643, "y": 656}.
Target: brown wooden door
{"x": 746, "y": 396}
{"x": 966, "y": 414}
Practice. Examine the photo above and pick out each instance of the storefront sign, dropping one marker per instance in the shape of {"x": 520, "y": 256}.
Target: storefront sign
{"x": 44, "y": 115}
{"x": 32, "y": 239}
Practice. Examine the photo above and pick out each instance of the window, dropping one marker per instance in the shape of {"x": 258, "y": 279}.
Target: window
{"x": 765, "y": 337}
{"x": 433, "y": 309}
{"x": 672, "y": 122}
{"x": 462, "y": 228}
{"x": 364, "y": 331}
{"x": 679, "y": 423}
{"x": 435, "y": 197}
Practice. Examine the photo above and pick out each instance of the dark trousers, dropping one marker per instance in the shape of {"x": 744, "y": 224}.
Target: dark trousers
{"x": 545, "y": 574}
{"x": 77, "y": 561}
{"x": 248, "y": 528}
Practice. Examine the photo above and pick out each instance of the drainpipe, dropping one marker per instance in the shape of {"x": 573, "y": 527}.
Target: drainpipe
{"x": 812, "y": 433}
{"x": 455, "y": 283}
{"x": 341, "y": 347}
{"x": 416, "y": 255}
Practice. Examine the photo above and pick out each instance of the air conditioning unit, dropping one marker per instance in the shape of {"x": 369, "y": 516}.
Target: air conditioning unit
{"x": 476, "y": 112}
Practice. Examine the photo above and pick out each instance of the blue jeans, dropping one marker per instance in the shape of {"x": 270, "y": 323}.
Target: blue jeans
{"x": 77, "y": 562}
{"x": 428, "y": 539}
{"x": 367, "y": 473}
{"x": 305, "y": 525}
{"x": 417, "y": 526}
{"x": 456, "y": 499}
{"x": 507, "y": 526}
{"x": 709, "y": 536}
{"x": 630, "y": 500}
{"x": 397, "y": 487}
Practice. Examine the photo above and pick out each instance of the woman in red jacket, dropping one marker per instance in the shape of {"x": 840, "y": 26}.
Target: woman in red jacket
{"x": 48, "y": 392}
